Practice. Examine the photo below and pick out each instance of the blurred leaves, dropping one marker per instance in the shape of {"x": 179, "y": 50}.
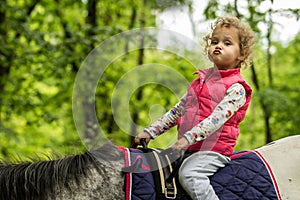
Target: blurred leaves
{"x": 43, "y": 45}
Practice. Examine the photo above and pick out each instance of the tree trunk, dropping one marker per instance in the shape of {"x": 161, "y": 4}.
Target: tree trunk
{"x": 91, "y": 128}
{"x": 92, "y": 8}
{"x": 131, "y": 24}
{"x": 269, "y": 55}
{"x": 140, "y": 61}
{"x": 266, "y": 113}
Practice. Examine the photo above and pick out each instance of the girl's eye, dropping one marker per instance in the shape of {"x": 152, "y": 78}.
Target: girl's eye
{"x": 227, "y": 43}
{"x": 214, "y": 42}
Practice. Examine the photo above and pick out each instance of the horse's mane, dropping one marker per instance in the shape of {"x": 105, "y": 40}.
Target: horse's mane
{"x": 40, "y": 179}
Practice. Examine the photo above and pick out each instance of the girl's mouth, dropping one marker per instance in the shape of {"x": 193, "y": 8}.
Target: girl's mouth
{"x": 216, "y": 52}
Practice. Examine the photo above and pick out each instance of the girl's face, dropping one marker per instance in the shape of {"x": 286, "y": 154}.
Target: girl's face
{"x": 224, "y": 50}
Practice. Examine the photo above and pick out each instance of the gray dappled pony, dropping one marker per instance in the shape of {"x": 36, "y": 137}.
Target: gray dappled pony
{"x": 97, "y": 174}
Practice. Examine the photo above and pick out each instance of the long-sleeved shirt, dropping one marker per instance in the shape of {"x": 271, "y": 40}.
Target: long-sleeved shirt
{"x": 235, "y": 98}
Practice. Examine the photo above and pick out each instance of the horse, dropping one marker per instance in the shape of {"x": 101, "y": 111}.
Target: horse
{"x": 97, "y": 174}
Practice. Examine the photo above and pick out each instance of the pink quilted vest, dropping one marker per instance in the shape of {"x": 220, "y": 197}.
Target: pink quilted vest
{"x": 204, "y": 94}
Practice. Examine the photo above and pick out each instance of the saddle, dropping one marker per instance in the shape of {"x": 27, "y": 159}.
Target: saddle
{"x": 161, "y": 165}
{"x": 152, "y": 175}
{"x": 165, "y": 165}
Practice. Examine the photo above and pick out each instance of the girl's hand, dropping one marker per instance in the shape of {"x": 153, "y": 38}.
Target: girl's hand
{"x": 140, "y": 136}
{"x": 180, "y": 144}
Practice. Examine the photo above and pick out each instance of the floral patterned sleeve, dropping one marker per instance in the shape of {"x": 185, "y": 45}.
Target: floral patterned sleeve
{"x": 234, "y": 99}
{"x": 168, "y": 120}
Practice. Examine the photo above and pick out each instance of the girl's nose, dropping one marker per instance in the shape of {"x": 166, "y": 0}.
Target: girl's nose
{"x": 218, "y": 46}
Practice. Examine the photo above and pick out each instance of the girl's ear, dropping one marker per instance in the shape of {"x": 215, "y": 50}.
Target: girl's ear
{"x": 243, "y": 55}
{"x": 241, "y": 58}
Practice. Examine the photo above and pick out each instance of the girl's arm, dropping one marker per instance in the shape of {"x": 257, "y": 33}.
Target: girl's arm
{"x": 234, "y": 99}
{"x": 168, "y": 120}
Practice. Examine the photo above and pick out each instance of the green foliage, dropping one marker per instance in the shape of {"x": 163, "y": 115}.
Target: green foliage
{"x": 44, "y": 43}
{"x": 42, "y": 47}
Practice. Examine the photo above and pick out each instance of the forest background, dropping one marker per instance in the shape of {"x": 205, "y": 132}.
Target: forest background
{"x": 45, "y": 109}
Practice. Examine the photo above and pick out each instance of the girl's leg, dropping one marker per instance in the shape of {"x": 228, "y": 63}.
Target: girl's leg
{"x": 195, "y": 171}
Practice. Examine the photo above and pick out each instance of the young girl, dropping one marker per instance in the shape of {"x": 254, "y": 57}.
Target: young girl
{"x": 209, "y": 114}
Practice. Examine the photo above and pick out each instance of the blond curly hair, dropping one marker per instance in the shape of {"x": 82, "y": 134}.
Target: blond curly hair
{"x": 246, "y": 37}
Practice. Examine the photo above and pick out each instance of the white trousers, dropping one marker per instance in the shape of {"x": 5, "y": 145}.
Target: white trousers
{"x": 195, "y": 171}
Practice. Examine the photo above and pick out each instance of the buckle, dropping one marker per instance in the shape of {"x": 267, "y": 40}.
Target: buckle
{"x": 170, "y": 193}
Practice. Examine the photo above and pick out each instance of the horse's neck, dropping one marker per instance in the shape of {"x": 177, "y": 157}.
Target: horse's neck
{"x": 102, "y": 178}
{"x": 103, "y": 182}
